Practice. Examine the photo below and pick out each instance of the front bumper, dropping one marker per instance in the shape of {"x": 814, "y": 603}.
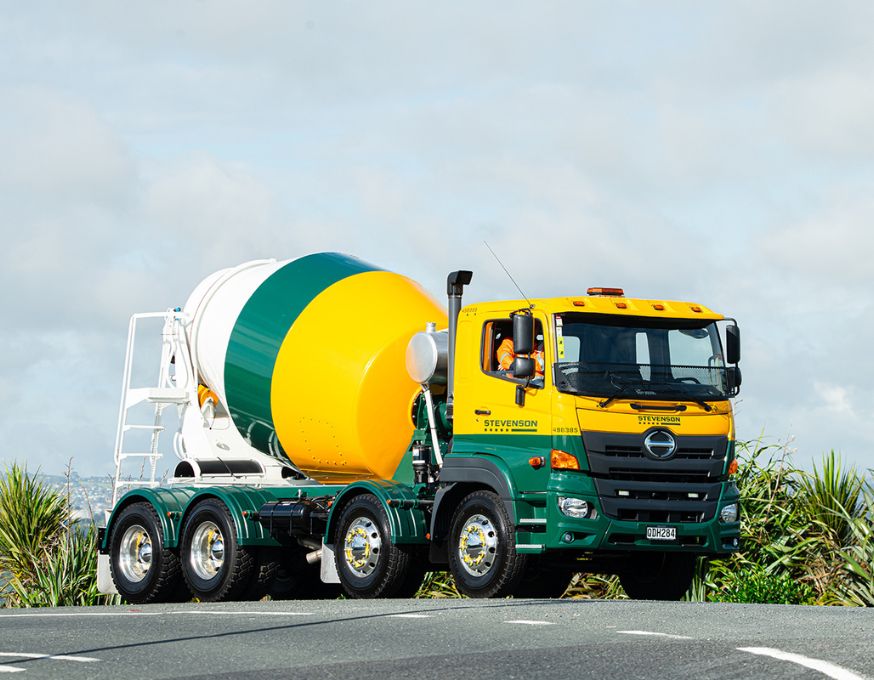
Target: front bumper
{"x": 541, "y": 526}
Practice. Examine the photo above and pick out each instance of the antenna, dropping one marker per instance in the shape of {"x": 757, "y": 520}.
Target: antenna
{"x": 530, "y": 306}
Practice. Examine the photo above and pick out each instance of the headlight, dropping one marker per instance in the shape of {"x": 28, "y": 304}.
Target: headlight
{"x": 729, "y": 513}
{"x": 573, "y": 507}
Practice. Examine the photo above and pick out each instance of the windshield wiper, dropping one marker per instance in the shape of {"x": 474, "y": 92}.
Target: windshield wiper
{"x": 618, "y": 393}
{"x": 703, "y": 404}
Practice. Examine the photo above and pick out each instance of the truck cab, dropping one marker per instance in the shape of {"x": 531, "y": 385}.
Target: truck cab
{"x": 623, "y": 448}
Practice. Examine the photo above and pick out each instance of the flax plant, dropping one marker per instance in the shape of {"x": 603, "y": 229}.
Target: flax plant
{"x": 45, "y": 558}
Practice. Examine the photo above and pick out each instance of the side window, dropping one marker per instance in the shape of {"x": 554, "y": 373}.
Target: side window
{"x": 497, "y": 349}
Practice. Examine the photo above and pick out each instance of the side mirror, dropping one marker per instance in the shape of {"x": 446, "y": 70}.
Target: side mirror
{"x": 733, "y": 377}
{"x": 522, "y": 367}
{"x": 732, "y": 344}
{"x": 523, "y": 334}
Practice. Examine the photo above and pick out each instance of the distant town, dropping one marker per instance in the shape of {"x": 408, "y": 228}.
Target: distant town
{"x": 89, "y": 496}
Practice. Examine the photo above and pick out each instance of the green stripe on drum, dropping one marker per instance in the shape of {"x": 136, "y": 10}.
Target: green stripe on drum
{"x": 260, "y": 330}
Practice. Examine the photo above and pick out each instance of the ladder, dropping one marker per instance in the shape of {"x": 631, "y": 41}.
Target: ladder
{"x": 175, "y": 388}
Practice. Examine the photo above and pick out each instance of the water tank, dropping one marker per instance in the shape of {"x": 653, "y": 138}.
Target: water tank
{"x": 308, "y": 357}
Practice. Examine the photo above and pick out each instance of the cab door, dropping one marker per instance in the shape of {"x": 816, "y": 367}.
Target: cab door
{"x": 487, "y": 419}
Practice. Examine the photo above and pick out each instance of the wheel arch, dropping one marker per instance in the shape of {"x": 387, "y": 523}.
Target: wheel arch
{"x": 168, "y": 503}
{"x": 406, "y": 519}
{"x": 464, "y": 476}
{"x": 243, "y": 504}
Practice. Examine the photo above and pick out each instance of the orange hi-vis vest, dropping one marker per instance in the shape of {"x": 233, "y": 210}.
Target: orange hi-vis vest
{"x": 506, "y": 354}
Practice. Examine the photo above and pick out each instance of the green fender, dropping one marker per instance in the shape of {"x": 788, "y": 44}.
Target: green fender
{"x": 173, "y": 505}
{"x": 482, "y": 469}
{"x": 169, "y": 503}
{"x": 244, "y": 502}
{"x": 405, "y": 517}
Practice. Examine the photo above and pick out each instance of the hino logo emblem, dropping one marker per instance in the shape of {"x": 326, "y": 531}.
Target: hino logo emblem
{"x": 660, "y": 444}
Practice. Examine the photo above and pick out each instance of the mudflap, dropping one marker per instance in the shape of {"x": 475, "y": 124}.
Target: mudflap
{"x": 105, "y": 584}
{"x": 328, "y": 566}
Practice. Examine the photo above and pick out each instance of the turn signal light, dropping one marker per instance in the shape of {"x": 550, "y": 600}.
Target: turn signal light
{"x": 562, "y": 460}
{"x": 732, "y": 467}
{"x": 536, "y": 462}
{"x": 606, "y": 291}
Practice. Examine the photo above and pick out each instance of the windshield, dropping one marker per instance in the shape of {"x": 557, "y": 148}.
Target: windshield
{"x": 639, "y": 358}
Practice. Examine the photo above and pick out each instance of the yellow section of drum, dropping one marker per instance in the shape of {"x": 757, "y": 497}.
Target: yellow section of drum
{"x": 340, "y": 394}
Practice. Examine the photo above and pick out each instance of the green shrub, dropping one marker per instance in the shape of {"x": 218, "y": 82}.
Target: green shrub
{"x": 755, "y": 585}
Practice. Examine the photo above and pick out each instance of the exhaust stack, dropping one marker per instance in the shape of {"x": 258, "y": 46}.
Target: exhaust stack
{"x": 455, "y": 284}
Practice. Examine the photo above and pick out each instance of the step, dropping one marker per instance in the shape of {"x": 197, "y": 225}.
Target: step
{"x": 156, "y": 395}
{"x": 137, "y": 454}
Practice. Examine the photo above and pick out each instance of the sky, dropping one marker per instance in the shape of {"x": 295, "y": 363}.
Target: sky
{"x": 713, "y": 152}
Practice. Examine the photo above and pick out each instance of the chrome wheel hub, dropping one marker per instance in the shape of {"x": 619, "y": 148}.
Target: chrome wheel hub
{"x": 135, "y": 553}
{"x": 477, "y": 545}
{"x": 361, "y": 546}
{"x": 207, "y": 550}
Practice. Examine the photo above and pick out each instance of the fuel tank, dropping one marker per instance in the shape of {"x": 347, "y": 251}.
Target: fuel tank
{"x": 308, "y": 358}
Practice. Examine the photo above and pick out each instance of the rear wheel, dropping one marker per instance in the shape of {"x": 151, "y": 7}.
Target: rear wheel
{"x": 142, "y": 569}
{"x": 658, "y": 576}
{"x": 482, "y": 549}
{"x": 285, "y": 574}
{"x": 368, "y": 563}
{"x": 214, "y": 565}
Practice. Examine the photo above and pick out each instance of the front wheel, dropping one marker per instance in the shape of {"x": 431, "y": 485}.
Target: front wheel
{"x": 658, "y": 576}
{"x": 214, "y": 565}
{"x": 368, "y": 563}
{"x": 482, "y": 549}
{"x": 142, "y": 569}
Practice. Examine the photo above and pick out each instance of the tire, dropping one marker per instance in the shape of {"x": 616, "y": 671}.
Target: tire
{"x": 142, "y": 569}
{"x": 482, "y": 548}
{"x": 658, "y": 576}
{"x": 215, "y": 567}
{"x": 284, "y": 574}
{"x": 543, "y": 581}
{"x": 368, "y": 563}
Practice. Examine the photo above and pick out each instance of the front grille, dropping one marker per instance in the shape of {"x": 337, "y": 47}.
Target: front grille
{"x": 634, "y": 487}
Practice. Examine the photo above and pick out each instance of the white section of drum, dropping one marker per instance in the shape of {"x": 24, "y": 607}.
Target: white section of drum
{"x": 214, "y": 308}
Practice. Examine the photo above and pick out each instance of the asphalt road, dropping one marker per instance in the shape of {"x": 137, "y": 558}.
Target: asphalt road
{"x": 425, "y": 639}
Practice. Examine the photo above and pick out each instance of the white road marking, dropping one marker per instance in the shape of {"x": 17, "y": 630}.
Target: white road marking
{"x": 526, "y": 622}
{"x": 649, "y": 632}
{"x": 824, "y": 667}
{"x": 410, "y": 616}
{"x": 10, "y": 669}
{"x": 206, "y": 612}
{"x": 56, "y": 657}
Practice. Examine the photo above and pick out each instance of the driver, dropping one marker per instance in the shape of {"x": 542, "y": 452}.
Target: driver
{"x": 506, "y": 355}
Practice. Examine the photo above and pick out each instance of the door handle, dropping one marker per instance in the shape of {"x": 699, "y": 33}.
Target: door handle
{"x": 482, "y": 412}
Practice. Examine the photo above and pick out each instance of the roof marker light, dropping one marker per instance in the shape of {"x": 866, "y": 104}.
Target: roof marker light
{"x": 606, "y": 291}
{"x": 579, "y": 303}
{"x": 621, "y": 305}
{"x": 695, "y": 308}
{"x": 658, "y": 307}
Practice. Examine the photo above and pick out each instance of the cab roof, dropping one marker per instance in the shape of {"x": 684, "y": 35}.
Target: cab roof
{"x": 601, "y": 304}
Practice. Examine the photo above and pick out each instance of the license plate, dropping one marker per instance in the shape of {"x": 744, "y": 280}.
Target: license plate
{"x": 661, "y": 533}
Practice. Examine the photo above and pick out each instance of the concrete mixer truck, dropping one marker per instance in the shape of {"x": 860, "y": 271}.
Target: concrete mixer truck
{"x": 335, "y": 426}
